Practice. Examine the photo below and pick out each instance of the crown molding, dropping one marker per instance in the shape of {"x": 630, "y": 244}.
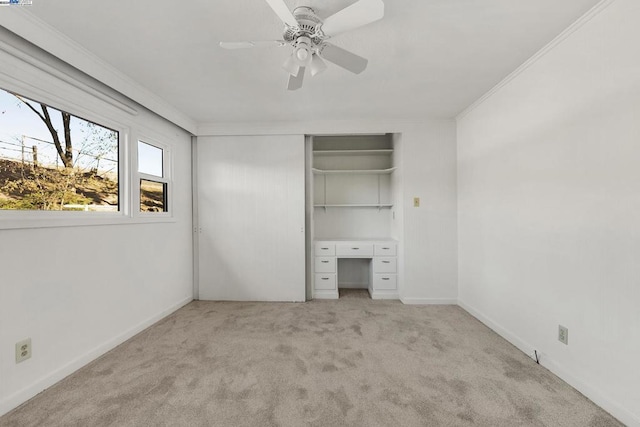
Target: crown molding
{"x": 584, "y": 19}
{"x": 21, "y": 22}
{"x": 326, "y": 127}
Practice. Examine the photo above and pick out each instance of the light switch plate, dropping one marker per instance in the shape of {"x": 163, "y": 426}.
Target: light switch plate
{"x": 416, "y": 202}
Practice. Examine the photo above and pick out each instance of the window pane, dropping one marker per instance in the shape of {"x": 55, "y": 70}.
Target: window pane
{"x": 52, "y": 160}
{"x": 153, "y": 196}
{"x": 149, "y": 159}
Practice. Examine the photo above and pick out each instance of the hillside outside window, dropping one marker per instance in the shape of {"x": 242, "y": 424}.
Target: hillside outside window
{"x": 51, "y": 160}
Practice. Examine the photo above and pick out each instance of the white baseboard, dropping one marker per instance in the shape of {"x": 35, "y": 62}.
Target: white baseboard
{"x": 383, "y": 295}
{"x": 523, "y": 346}
{"x": 21, "y": 396}
{"x": 564, "y": 373}
{"x": 593, "y": 393}
{"x": 429, "y": 301}
{"x": 325, "y": 294}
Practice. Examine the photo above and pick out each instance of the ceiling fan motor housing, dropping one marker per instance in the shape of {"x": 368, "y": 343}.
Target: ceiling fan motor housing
{"x": 308, "y": 26}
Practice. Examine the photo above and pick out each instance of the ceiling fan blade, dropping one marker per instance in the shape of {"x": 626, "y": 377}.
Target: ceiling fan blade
{"x": 358, "y": 14}
{"x": 317, "y": 65}
{"x": 295, "y": 82}
{"x": 250, "y": 44}
{"x": 343, "y": 58}
{"x": 283, "y": 12}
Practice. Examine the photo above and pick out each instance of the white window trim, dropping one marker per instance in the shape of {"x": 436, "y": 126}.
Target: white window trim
{"x": 12, "y": 219}
{"x": 35, "y": 82}
{"x": 167, "y": 178}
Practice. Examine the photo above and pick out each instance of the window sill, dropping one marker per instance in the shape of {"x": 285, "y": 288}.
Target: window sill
{"x": 28, "y": 223}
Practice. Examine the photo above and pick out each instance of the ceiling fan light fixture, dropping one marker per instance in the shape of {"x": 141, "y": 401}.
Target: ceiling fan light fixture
{"x": 302, "y": 51}
{"x": 302, "y": 54}
{"x": 317, "y": 65}
{"x": 291, "y": 65}
{"x": 307, "y": 34}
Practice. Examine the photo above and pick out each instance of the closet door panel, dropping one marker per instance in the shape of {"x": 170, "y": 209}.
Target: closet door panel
{"x": 251, "y": 209}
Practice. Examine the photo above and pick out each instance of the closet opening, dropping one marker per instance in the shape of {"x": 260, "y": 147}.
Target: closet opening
{"x": 354, "y": 214}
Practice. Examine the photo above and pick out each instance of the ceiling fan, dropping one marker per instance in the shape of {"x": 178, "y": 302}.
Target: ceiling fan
{"x": 308, "y": 34}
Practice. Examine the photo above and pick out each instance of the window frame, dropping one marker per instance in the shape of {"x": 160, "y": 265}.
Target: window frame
{"x": 12, "y": 219}
{"x": 167, "y": 178}
{"x": 63, "y": 90}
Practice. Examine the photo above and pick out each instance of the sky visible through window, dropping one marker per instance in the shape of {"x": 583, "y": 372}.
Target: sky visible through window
{"x": 80, "y": 173}
{"x": 19, "y": 126}
{"x": 150, "y": 159}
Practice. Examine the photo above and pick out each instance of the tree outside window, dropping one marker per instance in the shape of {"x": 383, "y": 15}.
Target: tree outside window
{"x": 53, "y": 160}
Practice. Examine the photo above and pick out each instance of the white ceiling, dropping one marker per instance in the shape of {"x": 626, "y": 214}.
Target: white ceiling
{"x": 427, "y": 58}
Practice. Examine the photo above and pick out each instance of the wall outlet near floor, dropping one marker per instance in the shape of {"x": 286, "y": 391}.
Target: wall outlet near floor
{"x": 23, "y": 350}
{"x": 563, "y": 334}
{"x": 416, "y": 202}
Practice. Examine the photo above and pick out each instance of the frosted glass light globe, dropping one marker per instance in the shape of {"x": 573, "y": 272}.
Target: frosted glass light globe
{"x": 302, "y": 54}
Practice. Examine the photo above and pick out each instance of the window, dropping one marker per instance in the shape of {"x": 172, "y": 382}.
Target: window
{"x": 51, "y": 160}
{"x": 153, "y": 178}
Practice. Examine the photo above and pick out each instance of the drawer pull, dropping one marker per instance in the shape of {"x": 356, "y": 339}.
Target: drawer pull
{"x": 326, "y": 278}
{"x": 325, "y": 262}
{"x": 386, "y": 249}
{"x": 355, "y": 249}
{"x": 385, "y": 278}
{"x": 386, "y": 262}
{"x": 325, "y": 249}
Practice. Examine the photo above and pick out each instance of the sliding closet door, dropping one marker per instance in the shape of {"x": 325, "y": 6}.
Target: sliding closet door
{"x": 251, "y": 210}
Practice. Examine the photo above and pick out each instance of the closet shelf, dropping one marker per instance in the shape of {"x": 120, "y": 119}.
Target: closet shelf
{"x": 354, "y": 171}
{"x": 381, "y": 152}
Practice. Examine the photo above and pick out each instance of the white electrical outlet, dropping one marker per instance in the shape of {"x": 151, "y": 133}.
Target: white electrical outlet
{"x": 23, "y": 350}
{"x": 563, "y": 334}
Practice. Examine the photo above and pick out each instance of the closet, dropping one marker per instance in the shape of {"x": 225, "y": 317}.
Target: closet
{"x": 354, "y": 244}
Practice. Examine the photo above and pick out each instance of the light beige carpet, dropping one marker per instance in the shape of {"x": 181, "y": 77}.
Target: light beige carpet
{"x": 353, "y": 293}
{"x": 352, "y": 361}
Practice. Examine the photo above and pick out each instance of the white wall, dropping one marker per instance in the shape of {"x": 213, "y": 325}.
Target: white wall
{"x": 429, "y": 245}
{"x": 549, "y": 195}
{"x": 79, "y": 291}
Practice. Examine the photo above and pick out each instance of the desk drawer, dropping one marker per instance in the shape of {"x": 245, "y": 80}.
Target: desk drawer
{"x": 384, "y": 282}
{"x": 325, "y": 282}
{"x": 325, "y": 265}
{"x": 364, "y": 250}
{"x": 384, "y": 265}
{"x": 384, "y": 249}
{"x": 325, "y": 249}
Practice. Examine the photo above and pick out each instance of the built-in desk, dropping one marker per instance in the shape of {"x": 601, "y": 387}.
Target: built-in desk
{"x": 383, "y": 283}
